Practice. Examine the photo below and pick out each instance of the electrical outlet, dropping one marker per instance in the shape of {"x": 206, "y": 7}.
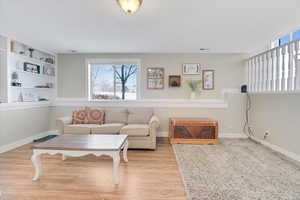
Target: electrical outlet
{"x": 267, "y": 133}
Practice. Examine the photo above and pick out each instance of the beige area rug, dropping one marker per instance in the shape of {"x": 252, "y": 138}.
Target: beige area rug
{"x": 237, "y": 169}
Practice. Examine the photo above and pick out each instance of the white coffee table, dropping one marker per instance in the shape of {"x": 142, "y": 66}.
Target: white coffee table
{"x": 81, "y": 145}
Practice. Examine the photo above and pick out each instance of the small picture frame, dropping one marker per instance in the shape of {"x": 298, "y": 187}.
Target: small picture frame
{"x": 33, "y": 68}
{"x": 155, "y": 78}
{"x": 174, "y": 81}
{"x": 208, "y": 79}
{"x": 191, "y": 69}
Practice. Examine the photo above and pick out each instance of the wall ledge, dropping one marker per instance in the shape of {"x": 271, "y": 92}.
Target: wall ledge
{"x": 157, "y": 103}
{"x": 23, "y": 105}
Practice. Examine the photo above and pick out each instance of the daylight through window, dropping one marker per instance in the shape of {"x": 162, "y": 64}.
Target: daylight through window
{"x": 113, "y": 81}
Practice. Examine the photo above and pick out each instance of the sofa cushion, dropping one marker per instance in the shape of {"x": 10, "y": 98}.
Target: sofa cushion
{"x": 95, "y": 115}
{"x": 139, "y": 115}
{"x": 78, "y": 128}
{"x": 79, "y": 116}
{"x": 110, "y": 128}
{"x": 116, "y": 116}
{"x": 135, "y": 130}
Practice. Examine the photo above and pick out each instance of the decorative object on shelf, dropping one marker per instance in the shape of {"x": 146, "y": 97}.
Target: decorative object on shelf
{"x": 49, "y": 60}
{"x": 30, "y": 97}
{"x": 130, "y": 6}
{"x": 191, "y": 69}
{"x": 208, "y": 79}
{"x": 174, "y": 81}
{"x": 48, "y": 70}
{"x": 155, "y": 78}
{"x": 194, "y": 85}
{"x": 25, "y": 50}
{"x": 15, "y": 80}
{"x": 31, "y": 50}
{"x": 29, "y": 67}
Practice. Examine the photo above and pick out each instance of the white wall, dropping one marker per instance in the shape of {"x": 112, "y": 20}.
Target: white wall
{"x": 229, "y": 74}
{"x": 18, "y": 124}
{"x": 278, "y": 114}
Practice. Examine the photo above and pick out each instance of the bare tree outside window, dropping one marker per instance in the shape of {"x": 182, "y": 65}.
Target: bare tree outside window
{"x": 123, "y": 73}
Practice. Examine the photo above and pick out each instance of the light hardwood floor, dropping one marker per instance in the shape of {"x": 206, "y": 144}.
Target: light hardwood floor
{"x": 149, "y": 175}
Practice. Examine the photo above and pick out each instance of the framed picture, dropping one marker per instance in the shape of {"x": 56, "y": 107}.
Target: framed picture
{"x": 155, "y": 78}
{"x": 29, "y": 67}
{"x": 174, "y": 81}
{"x": 208, "y": 79}
{"x": 191, "y": 69}
{"x": 49, "y": 70}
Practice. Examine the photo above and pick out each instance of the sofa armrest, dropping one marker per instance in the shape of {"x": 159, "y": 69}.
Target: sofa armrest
{"x": 154, "y": 122}
{"x": 61, "y": 122}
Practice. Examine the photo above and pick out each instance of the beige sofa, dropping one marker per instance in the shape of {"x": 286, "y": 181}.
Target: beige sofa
{"x": 138, "y": 123}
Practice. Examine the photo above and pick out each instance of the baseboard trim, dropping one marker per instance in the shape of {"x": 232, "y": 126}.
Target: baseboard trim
{"x": 221, "y": 135}
{"x": 24, "y": 141}
{"x": 233, "y": 135}
{"x": 278, "y": 149}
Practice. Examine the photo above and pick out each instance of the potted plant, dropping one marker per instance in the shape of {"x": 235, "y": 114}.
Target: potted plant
{"x": 194, "y": 85}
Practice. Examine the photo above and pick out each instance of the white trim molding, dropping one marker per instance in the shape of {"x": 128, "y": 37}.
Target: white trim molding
{"x": 278, "y": 149}
{"x": 23, "y": 105}
{"x": 221, "y": 135}
{"x": 24, "y": 141}
{"x": 157, "y": 103}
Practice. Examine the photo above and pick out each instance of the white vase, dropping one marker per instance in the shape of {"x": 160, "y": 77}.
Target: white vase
{"x": 193, "y": 95}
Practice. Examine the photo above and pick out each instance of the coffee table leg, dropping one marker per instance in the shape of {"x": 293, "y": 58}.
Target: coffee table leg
{"x": 125, "y": 151}
{"x": 116, "y": 164}
{"x": 36, "y": 160}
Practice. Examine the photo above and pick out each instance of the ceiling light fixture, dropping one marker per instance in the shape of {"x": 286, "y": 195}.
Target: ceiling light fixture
{"x": 130, "y": 6}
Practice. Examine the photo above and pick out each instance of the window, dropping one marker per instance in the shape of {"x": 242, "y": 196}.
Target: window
{"x": 286, "y": 39}
{"x": 296, "y": 35}
{"x": 113, "y": 80}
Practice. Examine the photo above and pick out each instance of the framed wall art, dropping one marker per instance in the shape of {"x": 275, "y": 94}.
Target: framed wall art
{"x": 191, "y": 69}
{"x": 33, "y": 68}
{"x": 174, "y": 81}
{"x": 155, "y": 78}
{"x": 208, "y": 79}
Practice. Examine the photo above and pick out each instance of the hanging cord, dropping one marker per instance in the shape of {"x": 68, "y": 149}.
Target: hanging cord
{"x": 247, "y": 129}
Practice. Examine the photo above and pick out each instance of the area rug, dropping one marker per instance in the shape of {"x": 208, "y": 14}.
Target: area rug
{"x": 237, "y": 169}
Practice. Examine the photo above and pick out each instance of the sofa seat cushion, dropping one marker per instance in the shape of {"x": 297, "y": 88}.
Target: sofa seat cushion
{"x": 78, "y": 128}
{"x": 109, "y": 128}
{"x": 135, "y": 130}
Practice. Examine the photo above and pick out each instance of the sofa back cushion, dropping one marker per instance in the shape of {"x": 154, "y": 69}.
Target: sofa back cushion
{"x": 95, "y": 115}
{"x": 116, "y": 115}
{"x": 79, "y": 116}
{"x": 139, "y": 115}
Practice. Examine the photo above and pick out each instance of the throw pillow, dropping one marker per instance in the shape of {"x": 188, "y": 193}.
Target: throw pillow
{"x": 95, "y": 115}
{"x": 79, "y": 116}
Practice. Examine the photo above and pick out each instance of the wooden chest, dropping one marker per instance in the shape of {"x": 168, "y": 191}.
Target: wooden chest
{"x": 193, "y": 131}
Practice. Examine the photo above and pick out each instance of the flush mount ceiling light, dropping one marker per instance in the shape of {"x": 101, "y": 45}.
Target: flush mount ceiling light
{"x": 130, "y": 6}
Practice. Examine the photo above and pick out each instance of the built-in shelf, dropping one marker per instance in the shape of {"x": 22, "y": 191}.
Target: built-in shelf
{"x": 31, "y": 59}
{"x": 18, "y": 54}
{"x": 17, "y": 87}
{"x": 31, "y": 73}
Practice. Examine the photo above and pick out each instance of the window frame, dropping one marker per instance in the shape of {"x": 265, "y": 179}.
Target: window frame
{"x": 88, "y": 87}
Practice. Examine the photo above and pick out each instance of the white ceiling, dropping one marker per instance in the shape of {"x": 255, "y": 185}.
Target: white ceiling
{"x": 159, "y": 26}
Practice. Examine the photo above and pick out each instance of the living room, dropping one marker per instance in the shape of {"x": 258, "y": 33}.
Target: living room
{"x": 132, "y": 99}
